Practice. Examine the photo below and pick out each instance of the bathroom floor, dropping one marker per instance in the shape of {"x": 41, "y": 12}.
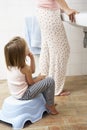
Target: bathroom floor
{"x": 72, "y": 109}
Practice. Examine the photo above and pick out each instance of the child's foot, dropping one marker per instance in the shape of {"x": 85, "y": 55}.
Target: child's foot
{"x": 64, "y": 93}
{"x": 52, "y": 109}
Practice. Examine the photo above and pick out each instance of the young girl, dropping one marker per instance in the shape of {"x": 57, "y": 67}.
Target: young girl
{"x": 19, "y": 75}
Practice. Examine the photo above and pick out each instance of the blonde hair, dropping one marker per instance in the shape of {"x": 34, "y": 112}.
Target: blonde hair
{"x": 14, "y": 52}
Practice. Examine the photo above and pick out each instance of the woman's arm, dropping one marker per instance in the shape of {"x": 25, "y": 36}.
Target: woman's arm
{"x": 63, "y": 5}
{"x": 70, "y": 12}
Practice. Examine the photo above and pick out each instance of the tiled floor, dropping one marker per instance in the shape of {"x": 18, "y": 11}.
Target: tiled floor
{"x": 72, "y": 109}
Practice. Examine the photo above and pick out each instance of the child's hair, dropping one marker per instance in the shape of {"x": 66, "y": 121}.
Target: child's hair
{"x": 15, "y": 52}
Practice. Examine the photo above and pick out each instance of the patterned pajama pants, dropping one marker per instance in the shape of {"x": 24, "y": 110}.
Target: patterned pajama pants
{"x": 55, "y": 48}
{"x": 45, "y": 86}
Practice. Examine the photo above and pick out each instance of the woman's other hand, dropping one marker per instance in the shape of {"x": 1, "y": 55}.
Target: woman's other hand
{"x": 71, "y": 13}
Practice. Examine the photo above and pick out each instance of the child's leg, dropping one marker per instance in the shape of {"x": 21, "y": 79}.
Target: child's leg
{"x": 49, "y": 96}
{"x": 46, "y": 87}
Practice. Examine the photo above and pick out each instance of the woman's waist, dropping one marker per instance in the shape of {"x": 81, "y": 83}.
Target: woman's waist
{"x": 48, "y": 4}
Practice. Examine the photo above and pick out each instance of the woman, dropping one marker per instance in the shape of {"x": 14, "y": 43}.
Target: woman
{"x": 55, "y": 48}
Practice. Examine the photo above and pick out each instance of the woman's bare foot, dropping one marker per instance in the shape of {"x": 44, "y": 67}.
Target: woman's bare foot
{"x": 52, "y": 109}
{"x": 64, "y": 93}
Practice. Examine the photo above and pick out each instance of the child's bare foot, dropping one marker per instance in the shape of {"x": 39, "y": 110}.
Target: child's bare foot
{"x": 52, "y": 109}
{"x": 64, "y": 93}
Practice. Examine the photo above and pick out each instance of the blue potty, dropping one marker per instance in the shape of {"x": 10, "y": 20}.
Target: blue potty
{"x": 17, "y": 112}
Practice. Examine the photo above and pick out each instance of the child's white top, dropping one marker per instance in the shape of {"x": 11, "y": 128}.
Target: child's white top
{"x": 52, "y": 4}
{"x": 16, "y": 82}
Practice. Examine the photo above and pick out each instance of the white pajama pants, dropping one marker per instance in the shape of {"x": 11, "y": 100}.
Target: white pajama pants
{"x": 55, "y": 48}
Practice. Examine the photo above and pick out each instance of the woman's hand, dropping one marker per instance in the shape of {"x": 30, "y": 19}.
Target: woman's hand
{"x": 71, "y": 13}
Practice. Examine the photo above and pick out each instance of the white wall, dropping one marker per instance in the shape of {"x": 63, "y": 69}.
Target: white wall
{"x": 77, "y": 64}
{"x": 12, "y": 14}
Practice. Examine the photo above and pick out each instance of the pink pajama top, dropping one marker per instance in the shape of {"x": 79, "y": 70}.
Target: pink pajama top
{"x": 16, "y": 82}
{"x": 52, "y": 4}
